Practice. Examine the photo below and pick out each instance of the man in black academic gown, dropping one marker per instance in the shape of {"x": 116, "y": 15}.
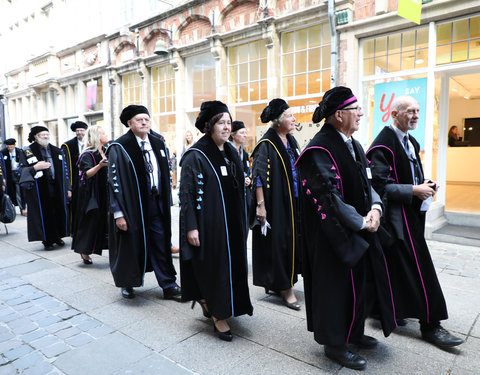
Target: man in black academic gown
{"x": 72, "y": 150}
{"x": 398, "y": 177}
{"x": 140, "y": 230}
{"x": 45, "y": 182}
{"x": 343, "y": 269}
{"x": 11, "y": 158}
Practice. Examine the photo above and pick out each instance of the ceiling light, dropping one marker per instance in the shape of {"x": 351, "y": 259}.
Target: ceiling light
{"x": 466, "y": 97}
{"x": 454, "y": 89}
{"x": 419, "y": 61}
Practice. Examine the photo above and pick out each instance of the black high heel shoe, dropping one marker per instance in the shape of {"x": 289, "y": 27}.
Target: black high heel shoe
{"x": 225, "y": 336}
{"x": 206, "y": 314}
{"x": 86, "y": 261}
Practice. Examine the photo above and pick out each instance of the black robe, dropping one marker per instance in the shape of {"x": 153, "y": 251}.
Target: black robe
{"x": 47, "y": 218}
{"x": 276, "y": 259}
{"x": 212, "y": 201}
{"x": 343, "y": 266}
{"x": 11, "y": 178}
{"x": 127, "y": 180}
{"x": 71, "y": 152}
{"x": 89, "y": 233}
{"x": 415, "y": 284}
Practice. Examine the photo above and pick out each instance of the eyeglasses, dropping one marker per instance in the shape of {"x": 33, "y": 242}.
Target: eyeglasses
{"x": 358, "y": 109}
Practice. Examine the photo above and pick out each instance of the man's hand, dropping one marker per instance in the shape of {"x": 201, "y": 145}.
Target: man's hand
{"x": 41, "y": 165}
{"x": 121, "y": 223}
{"x": 424, "y": 191}
{"x": 193, "y": 238}
{"x": 373, "y": 220}
{"x": 261, "y": 213}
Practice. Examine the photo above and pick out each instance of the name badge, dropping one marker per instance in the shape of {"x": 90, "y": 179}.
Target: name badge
{"x": 162, "y": 153}
{"x": 369, "y": 173}
{"x": 60, "y": 157}
{"x": 5, "y": 157}
{"x": 32, "y": 160}
{"x": 223, "y": 169}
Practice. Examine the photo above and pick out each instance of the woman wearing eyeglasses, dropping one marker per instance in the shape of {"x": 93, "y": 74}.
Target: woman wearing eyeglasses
{"x": 213, "y": 252}
{"x": 275, "y": 222}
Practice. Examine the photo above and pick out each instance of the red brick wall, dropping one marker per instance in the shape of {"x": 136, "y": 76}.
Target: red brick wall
{"x": 240, "y": 15}
{"x": 196, "y": 29}
{"x": 363, "y": 9}
{"x": 285, "y": 6}
{"x": 342, "y": 63}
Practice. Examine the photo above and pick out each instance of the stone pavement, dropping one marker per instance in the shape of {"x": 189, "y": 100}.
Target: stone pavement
{"x": 59, "y": 316}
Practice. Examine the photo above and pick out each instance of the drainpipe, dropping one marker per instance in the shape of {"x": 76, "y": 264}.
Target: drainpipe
{"x": 333, "y": 41}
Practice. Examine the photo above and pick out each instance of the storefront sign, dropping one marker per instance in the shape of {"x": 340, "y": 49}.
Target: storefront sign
{"x": 385, "y": 93}
{"x": 410, "y": 9}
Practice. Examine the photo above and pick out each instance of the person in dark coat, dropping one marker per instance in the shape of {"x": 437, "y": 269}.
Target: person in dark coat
{"x": 274, "y": 215}
{"x": 89, "y": 235}
{"x": 344, "y": 272}
{"x": 72, "y": 150}
{"x": 11, "y": 159}
{"x": 213, "y": 251}
{"x": 140, "y": 192}
{"x": 398, "y": 177}
{"x": 238, "y": 139}
{"x": 45, "y": 181}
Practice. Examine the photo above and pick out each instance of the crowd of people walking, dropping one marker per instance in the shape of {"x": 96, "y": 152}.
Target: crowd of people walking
{"x": 351, "y": 223}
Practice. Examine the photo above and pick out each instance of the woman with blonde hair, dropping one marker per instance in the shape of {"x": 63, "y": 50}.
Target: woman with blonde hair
{"x": 90, "y": 226}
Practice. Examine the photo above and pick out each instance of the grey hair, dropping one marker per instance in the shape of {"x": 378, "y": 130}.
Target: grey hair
{"x": 401, "y": 102}
{"x": 276, "y": 122}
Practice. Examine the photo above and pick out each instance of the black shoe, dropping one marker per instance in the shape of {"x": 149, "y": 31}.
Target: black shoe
{"x": 345, "y": 357}
{"x": 203, "y": 305}
{"x": 86, "y": 261}
{"x": 440, "y": 337}
{"x": 401, "y": 322}
{"x": 60, "y": 242}
{"x": 174, "y": 293}
{"x": 47, "y": 246}
{"x": 292, "y": 305}
{"x": 225, "y": 336}
{"x": 365, "y": 342}
{"x": 128, "y": 292}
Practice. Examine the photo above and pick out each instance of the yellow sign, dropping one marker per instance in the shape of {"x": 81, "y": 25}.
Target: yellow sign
{"x": 410, "y": 9}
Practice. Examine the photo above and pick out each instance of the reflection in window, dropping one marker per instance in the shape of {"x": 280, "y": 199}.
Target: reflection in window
{"x": 201, "y": 78}
{"x": 458, "y": 41}
{"x": 247, "y": 72}
{"x": 396, "y": 52}
{"x": 132, "y": 89}
{"x": 306, "y": 61}
{"x": 163, "y": 90}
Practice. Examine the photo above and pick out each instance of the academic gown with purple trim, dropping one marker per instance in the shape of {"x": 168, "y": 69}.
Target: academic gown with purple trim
{"x": 344, "y": 270}
{"x": 416, "y": 289}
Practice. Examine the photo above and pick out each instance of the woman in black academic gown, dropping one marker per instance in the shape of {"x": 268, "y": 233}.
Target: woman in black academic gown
{"x": 90, "y": 226}
{"x": 213, "y": 261}
{"x": 276, "y": 251}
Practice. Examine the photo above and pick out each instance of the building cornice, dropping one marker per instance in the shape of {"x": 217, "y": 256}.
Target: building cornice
{"x": 82, "y": 45}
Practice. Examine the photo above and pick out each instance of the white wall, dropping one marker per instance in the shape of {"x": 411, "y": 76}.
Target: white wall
{"x": 459, "y": 109}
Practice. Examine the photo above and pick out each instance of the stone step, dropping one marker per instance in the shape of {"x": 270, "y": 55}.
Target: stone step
{"x": 458, "y": 234}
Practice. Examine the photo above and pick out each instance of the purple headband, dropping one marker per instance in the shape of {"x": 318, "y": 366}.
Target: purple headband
{"x": 346, "y": 102}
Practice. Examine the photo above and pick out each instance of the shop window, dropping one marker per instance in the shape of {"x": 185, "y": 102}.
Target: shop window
{"x": 396, "y": 52}
{"x": 458, "y": 41}
{"x": 132, "y": 89}
{"x": 201, "y": 78}
{"x": 165, "y": 125}
{"x": 163, "y": 90}
{"x": 305, "y": 60}
{"x": 94, "y": 95}
{"x": 247, "y": 67}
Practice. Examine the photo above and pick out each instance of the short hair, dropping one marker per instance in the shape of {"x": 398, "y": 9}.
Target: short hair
{"x": 400, "y": 102}
{"x": 278, "y": 120}
{"x": 213, "y": 121}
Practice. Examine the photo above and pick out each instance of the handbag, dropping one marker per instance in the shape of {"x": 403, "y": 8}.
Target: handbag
{"x": 7, "y": 211}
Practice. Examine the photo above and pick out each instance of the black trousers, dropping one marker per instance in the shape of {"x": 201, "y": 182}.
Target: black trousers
{"x": 159, "y": 253}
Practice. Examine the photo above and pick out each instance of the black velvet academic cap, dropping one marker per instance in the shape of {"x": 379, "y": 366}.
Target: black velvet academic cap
{"x": 207, "y": 111}
{"x": 334, "y": 99}
{"x": 273, "y": 110}
{"x": 78, "y": 124}
{"x": 131, "y": 111}
{"x": 35, "y": 130}
{"x": 10, "y": 141}
{"x": 237, "y": 125}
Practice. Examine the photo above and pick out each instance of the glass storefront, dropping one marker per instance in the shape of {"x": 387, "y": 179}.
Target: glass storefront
{"x": 132, "y": 89}
{"x": 201, "y": 82}
{"x": 163, "y": 103}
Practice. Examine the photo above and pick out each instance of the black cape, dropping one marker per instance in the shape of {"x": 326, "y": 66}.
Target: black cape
{"x": 47, "y": 219}
{"x": 90, "y": 227}
{"x": 11, "y": 178}
{"x": 127, "y": 180}
{"x": 71, "y": 152}
{"x": 415, "y": 284}
{"x": 212, "y": 201}
{"x": 344, "y": 271}
{"x": 276, "y": 259}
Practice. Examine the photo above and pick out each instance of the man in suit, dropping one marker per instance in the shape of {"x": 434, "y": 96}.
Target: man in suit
{"x": 398, "y": 177}
{"x": 11, "y": 157}
{"x": 344, "y": 273}
{"x": 140, "y": 190}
